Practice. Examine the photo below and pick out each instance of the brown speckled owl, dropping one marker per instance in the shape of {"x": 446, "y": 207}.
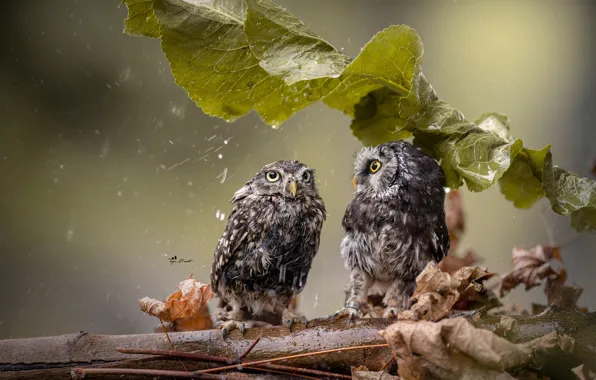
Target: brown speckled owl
{"x": 267, "y": 248}
{"x": 394, "y": 225}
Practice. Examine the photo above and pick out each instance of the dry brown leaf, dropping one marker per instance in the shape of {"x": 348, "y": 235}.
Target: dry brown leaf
{"x": 594, "y": 169}
{"x": 452, "y": 263}
{"x": 559, "y": 294}
{"x": 455, "y": 218}
{"x": 455, "y": 349}
{"x": 451, "y": 349}
{"x": 530, "y": 267}
{"x": 583, "y": 373}
{"x": 187, "y": 302}
{"x": 437, "y": 291}
{"x": 202, "y": 321}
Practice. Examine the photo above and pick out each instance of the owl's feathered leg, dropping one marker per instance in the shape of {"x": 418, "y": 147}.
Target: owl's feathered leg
{"x": 283, "y": 306}
{"x": 356, "y": 296}
{"x": 397, "y": 297}
{"x": 230, "y": 316}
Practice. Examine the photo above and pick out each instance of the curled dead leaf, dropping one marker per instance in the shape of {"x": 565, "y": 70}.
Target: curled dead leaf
{"x": 559, "y": 294}
{"x": 437, "y": 291}
{"x": 455, "y": 349}
{"x": 201, "y": 321}
{"x": 451, "y": 349}
{"x": 530, "y": 267}
{"x": 187, "y": 302}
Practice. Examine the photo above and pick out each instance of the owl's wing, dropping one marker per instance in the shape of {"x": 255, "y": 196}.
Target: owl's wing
{"x": 244, "y": 232}
{"x": 441, "y": 248}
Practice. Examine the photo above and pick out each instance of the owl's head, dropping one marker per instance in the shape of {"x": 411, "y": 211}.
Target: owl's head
{"x": 289, "y": 179}
{"x": 384, "y": 169}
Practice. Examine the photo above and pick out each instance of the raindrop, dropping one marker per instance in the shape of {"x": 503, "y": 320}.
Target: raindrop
{"x": 124, "y": 75}
{"x": 223, "y": 175}
{"x": 69, "y": 234}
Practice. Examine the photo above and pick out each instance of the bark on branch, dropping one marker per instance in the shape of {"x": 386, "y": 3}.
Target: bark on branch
{"x": 53, "y": 357}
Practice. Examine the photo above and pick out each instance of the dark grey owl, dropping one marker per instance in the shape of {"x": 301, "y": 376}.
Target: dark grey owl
{"x": 267, "y": 248}
{"x": 394, "y": 225}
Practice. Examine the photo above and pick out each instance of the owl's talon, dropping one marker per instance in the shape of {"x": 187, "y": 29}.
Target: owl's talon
{"x": 288, "y": 319}
{"x": 227, "y": 326}
{"x": 351, "y": 312}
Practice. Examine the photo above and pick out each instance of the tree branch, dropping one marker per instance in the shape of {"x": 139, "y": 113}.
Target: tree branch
{"x": 54, "y": 357}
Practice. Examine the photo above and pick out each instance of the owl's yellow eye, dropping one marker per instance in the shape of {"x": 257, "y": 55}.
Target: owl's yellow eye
{"x": 374, "y": 166}
{"x": 272, "y": 176}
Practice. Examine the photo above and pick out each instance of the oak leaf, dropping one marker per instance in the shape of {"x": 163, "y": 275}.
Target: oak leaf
{"x": 187, "y": 302}
{"x": 530, "y": 267}
{"x": 437, "y": 291}
{"x": 454, "y": 349}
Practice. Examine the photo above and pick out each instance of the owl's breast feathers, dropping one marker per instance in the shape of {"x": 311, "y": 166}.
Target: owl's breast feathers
{"x": 268, "y": 244}
{"x": 399, "y": 234}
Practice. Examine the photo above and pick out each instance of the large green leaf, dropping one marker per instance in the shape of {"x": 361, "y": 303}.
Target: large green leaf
{"x": 389, "y": 60}
{"x": 141, "y": 20}
{"x": 234, "y": 56}
{"x": 286, "y": 48}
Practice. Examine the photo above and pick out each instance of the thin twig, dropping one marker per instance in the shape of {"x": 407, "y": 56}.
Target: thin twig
{"x": 388, "y": 364}
{"x": 172, "y": 344}
{"x": 218, "y": 359}
{"x": 249, "y": 349}
{"x": 295, "y": 357}
{"x": 80, "y": 373}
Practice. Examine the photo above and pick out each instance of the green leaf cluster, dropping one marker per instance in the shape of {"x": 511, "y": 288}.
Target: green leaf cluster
{"x": 234, "y": 56}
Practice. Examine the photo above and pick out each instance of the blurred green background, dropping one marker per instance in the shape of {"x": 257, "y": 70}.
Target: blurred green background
{"x": 107, "y": 169}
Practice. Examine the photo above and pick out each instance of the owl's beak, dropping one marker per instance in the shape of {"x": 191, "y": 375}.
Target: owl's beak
{"x": 355, "y": 182}
{"x": 292, "y": 187}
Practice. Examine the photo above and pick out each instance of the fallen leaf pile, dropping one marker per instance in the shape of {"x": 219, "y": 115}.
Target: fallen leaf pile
{"x": 530, "y": 267}
{"x": 455, "y": 349}
{"x": 437, "y": 291}
{"x": 188, "y": 303}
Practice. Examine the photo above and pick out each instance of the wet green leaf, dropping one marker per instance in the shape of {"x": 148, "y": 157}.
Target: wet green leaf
{"x": 389, "y": 60}
{"x": 234, "y": 56}
{"x": 141, "y": 20}
{"x": 522, "y": 182}
{"x": 288, "y": 49}
{"x": 571, "y": 195}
